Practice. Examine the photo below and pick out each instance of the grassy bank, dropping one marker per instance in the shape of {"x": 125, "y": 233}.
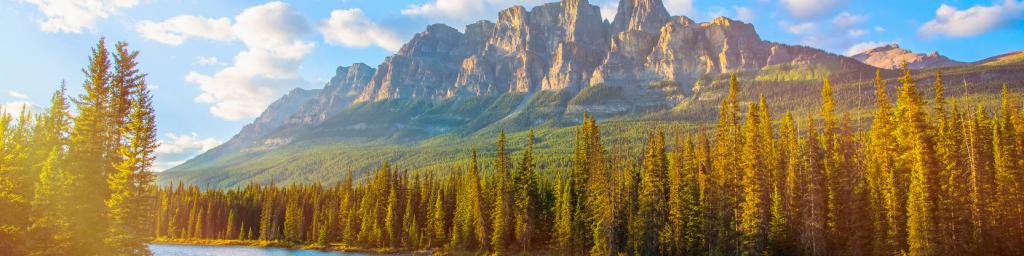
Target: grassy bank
{"x": 282, "y": 244}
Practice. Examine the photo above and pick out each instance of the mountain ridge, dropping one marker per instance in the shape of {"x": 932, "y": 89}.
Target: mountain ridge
{"x": 540, "y": 67}
{"x": 891, "y": 56}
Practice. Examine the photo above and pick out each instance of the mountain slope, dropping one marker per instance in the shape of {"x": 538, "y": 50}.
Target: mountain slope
{"x": 446, "y": 91}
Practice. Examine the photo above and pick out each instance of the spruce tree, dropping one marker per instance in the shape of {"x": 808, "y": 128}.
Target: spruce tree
{"x": 90, "y": 158}
{"x": 755, "y": 207}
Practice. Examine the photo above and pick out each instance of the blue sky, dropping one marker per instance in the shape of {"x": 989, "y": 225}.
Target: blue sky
{"x": 214, "y": 65}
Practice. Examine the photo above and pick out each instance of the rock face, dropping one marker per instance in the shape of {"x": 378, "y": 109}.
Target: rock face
{"x": 892, "y": 56}
{"x": 564, "y": 46}
{"x": 344, "y": 87}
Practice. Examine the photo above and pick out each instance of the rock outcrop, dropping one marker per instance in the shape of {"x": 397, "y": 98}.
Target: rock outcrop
{"x": 564, "y": 46}
{"x": 892, "y": 56}
{"x": 344, "y": 87}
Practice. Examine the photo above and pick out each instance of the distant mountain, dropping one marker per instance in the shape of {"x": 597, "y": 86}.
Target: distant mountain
{"x": 532, "y": 68}
{"x": 1015, "y": 57}
{"x": 892, "y": 56}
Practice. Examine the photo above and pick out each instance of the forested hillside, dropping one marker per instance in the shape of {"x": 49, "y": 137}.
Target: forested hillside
{"x": 448, "y": 90}
{"x": 928, "y": 175}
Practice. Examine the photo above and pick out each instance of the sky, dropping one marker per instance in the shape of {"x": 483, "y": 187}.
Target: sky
{"x": 215, "y": 65}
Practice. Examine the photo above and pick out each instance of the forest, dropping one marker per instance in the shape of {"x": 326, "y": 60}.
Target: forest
{"x": 922, "y": 177}
{"x": 80, "y": 182}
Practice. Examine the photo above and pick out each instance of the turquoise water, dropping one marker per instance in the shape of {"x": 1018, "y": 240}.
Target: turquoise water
{"x": 204, "y": 250}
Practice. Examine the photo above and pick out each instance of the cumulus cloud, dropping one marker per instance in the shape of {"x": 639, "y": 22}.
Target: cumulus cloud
{"x": 846, "y": 19}
{"x": 952, "y": 22}
{"x": 176, "y": 148}
{"x": 72, "y": 16}
{"x": 273, "y": 36}
{"x": 175, "y": 30}
{"x": 802, "y": 28}
{"x": 811, "y": 8}
{"x": 681, "y": 7}
{"x": 744, "y": 13}
{"x": 14, "y": 108}
{"x": 353, "y": 29}
{"x": 863, "y": 47}
{"x": 17, "y": 95}
{"x": 209, "y": 61}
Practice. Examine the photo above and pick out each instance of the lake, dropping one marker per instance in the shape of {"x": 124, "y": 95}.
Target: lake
{"x": 216, "y": 250}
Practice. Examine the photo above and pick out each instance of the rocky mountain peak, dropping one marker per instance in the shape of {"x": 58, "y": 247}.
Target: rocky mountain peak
{"x": 436, "y": 39}
{"x": 891, "y": 56}
{"x": 643, "y": 15}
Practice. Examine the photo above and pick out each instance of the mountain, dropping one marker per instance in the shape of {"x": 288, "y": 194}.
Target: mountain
{"x": 446, "y": 91}
{"x": 892, "y": 56}
{"x": 1015, "y": 57}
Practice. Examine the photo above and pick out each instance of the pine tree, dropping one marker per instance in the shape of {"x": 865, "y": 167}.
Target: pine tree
{"x": 601, "y": 198}
{"x": 883, "y": 179}
{"x": 502, "y": 210}
{"x": 922, "y": 208}
{"x": 50, "y": 227}
{"x": 131, "y": 182}
{"x": 726, "y": 152}
{"x": 293, "y": 221}
{"x": 815, "y": 211}
{"x": 267, "y": 216}
{"x": 1006, "y": 154}
{"x": 755, "y": 207}
{"x": 526, "y": 198}
{"x": 229, "y": 232}
{"x": 653, "y": 191}
{"x": 90, "y": 156}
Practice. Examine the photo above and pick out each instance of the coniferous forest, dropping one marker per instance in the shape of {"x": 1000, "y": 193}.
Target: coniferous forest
{"x": 925, "y": 177}
{"x": 922, "y": 177}
{"x": 80, "y": 182}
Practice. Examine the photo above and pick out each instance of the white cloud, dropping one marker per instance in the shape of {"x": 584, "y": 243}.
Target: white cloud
{"x": 177, "y": 144}
{"x": 681, "y": 7}
{"x": 15, "y": 108}
{"x": 273, "y": 35}
{"x": 951, "y": 22}
{"x": 879, "y": 29}
{"x": 800, "y": 28}
{"x": 744, "y": 13}
{"x": 846, "y": 19}
{"x": 71, "y": 16}
{"x": 17, "y": 95}
{"x": 811, "y": 8}
{"x": 863, "y": 47}
{"x": 461, "y": 12}
{"x": 209, "y": 61}
{"x": 178, "y": 147}
{"x": 353, "y": 29}
{"x": 175, "y": 30}
{"x": 856, "y": 32}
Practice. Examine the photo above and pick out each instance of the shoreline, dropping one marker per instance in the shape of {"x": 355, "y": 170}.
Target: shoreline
{"x": 286, "y": 245}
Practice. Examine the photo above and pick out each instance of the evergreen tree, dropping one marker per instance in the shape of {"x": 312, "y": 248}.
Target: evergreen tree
{"x": 526, "y": 198}
{"x": 502, "y": 211}
{"x": 755, "y": 207}
{"x": 922, "y": 208}
{"x": 653, "y": 191}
